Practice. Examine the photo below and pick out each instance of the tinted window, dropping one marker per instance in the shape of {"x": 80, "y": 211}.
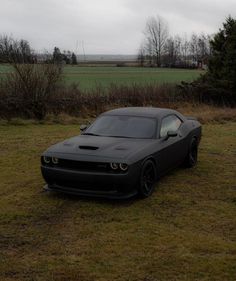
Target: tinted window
{"x": 169, "y": 123}
{"x": 123, "y": 126}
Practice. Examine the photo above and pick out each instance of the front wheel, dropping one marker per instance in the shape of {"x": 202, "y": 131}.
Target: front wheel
{"x": 191, "y": 158}
{"x": 147, "y": 179}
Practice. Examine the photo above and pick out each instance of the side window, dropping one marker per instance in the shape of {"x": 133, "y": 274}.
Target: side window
{"x": 169, "y": 123}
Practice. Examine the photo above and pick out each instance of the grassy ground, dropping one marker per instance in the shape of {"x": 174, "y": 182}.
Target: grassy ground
{"x": 185, "y": 231}
{"x": 89, "y": 77}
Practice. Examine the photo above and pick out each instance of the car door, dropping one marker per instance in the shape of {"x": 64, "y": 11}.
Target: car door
{"x": 170, "y": 154}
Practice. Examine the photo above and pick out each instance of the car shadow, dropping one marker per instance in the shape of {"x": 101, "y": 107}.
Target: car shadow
{"x": 96, "y": 200}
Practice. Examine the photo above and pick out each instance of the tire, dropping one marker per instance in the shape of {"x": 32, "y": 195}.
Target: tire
{"x": 191, "y": 158}
{"x": 147, "y": 179}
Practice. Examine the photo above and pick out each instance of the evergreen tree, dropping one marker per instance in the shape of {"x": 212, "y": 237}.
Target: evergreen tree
{"x": 222, "y": 64}
{"x": 57, "y": 56}
{"x": 73, "y": 59}
{"x": 66, "y": 57}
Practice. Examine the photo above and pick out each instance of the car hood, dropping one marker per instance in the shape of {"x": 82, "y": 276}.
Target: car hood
{"x": 91, "y": 147}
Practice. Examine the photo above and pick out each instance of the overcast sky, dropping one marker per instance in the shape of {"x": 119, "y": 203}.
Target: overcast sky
{"x": 105, "y": 26}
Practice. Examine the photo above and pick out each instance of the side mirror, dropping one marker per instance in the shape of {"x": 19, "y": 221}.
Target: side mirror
{"x": 171, "y": 134}
{"x": 83, "y": 128}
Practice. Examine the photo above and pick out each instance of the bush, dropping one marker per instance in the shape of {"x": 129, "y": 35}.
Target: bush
{"x": 71, "y": 100}
{"x": 27, "y": 91}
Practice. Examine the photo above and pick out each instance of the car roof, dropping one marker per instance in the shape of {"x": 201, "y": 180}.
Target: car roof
{"x": 142, "y": 112}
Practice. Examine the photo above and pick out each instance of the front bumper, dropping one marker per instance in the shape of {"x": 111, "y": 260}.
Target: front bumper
{"x": 87, "y": 183}
{"x": 89, "y": 193}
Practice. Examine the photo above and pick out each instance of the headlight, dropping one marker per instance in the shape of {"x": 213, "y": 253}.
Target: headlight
{"x": 55, "y": 160}
{"x": 114, "y": 166}
{"x": 123, "y": 166}
{"x": 46, "y": 159}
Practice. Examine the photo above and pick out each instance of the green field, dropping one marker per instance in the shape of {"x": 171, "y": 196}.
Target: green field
{"x": 89, "y": 77}
{"x": 185, "y": 231}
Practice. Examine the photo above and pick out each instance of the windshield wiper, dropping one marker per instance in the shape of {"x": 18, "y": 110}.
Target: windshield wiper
{"x": 125, "y": 137}
{"x": 109, "y": 136}
{"x": 91, "y": 134}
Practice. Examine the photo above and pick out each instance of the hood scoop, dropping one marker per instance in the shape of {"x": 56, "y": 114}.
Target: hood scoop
{"x": 87, "y": 147}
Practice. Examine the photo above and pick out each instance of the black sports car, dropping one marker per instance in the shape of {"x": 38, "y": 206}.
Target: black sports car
{"x": 122, "y": 153}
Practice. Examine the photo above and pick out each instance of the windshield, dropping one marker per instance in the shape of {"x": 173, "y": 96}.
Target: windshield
{"x": 123, "y": 126}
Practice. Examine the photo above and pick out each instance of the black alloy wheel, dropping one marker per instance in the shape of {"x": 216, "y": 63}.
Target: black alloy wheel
{"x": 191, "y": 159}
{"x": 147, "y": 179}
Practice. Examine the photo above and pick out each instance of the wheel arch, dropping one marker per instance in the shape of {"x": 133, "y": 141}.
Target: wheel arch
{"x": 151, "y": 158}
{"x": 154, "y": 161}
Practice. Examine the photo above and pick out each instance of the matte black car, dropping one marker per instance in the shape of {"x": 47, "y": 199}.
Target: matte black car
{"x": 122, "y": 153}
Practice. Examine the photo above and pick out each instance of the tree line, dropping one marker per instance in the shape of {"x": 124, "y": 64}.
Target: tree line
{"x": 158, "y": 48}
{"x": 67, "y": 57}
{"x": 19, "y": 51}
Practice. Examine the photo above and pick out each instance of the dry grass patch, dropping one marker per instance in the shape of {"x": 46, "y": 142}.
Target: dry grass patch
{"x": 204, "y": 113}
{"x": 207, "y": 113}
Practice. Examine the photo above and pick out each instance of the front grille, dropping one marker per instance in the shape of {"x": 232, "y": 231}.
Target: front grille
{"x": 83, "y": 165}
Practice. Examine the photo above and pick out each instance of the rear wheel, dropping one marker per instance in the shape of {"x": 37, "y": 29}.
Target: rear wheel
{"x": 191, "y": 158}
{"x": 147, "y": 179}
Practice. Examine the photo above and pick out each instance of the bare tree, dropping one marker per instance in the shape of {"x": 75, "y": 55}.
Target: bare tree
{"x": 156, "y": 34}
{"x": 149, "y": 52}
{"x": 29, "y": 87}
{"x": 204, "y": 45}
{"x": 173, "y": 51}
{"x": 200, "y": 47}
{"x": 141, "y": 55}
{"x": 194, "y": 47}
{"x": 170, "y": 52}
{"x": 185, "y": 50}
{"x": 15, "y": 51}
